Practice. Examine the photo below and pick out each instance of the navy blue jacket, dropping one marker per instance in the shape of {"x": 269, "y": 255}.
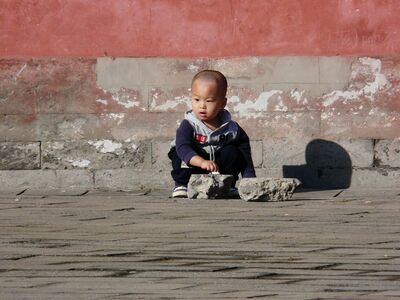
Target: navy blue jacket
{"x": 193, "y": 134}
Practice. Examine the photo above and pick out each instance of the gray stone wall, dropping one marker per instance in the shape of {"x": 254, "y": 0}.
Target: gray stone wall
{"x": 108, "y": 123}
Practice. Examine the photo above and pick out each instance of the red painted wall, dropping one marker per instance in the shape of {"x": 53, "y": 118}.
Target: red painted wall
{"x": 47, "y": 28}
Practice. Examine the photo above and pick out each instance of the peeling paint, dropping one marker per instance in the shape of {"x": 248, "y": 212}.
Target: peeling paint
{"x": 20, "y": 71}
{"x": 81, "y": 163}
{"x": 254, "y": 109}
{"x": 369, "y": 90}
{"x": 170, "y": 104}
{"x": 107, "y": 146}
{"x": 102, "y": 101}
{"x": 298, "y": 96}
{"x": 124, "y": 99}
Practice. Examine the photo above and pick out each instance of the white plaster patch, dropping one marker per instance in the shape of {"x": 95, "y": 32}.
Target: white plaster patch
{"x": 20, "y": 71}
{"x": 298, "y": 96}
{"x": 134, "y": 146}
{"x": 80, "y": 163}
{"x": 170, "y": 104}
{"x": 369, "y": 90}
{"x": 254, "y": 109}
{"x": 192, "y": 67}
{"x": 107, "y": 146}
{"x": 125, "y": 100}
{"x": 102, "y": 101}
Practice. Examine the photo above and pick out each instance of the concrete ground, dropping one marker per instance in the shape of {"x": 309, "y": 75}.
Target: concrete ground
{"x": 119, "y": 245}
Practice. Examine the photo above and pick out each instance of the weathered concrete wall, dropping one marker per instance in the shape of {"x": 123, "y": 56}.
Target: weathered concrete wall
{"x": 192, "y": 28}
{"x": 332, "y": 121}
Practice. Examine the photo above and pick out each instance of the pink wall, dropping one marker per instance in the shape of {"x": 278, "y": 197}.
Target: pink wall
{"x": 47, "y": 28}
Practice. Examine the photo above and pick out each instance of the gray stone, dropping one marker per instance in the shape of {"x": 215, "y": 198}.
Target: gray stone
{"x": 387, "y": 153}
{"x": 159, "y": 155}
{"x": 95, "y": 154}
{"x": 19, "y": 156}
{"x": 45, "y": 179}
{"x": 335, "y": 69}
{"x": 132, "y": 179}
{"x": 267, "y": 189}
{"x": 209, "y": 186}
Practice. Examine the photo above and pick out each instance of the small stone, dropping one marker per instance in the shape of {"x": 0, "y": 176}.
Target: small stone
{"x": 209, "y": 186}
{"x": 267, "y": 189}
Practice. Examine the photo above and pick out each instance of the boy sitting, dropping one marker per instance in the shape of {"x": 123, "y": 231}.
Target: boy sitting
{"x": 207, "y": 139}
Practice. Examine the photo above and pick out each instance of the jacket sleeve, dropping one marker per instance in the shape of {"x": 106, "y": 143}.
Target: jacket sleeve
{"x": 243, "y": 143}
{"x": 184, "y": 142}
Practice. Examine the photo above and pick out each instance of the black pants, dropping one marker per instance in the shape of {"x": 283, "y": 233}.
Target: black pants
{"x": 229, "y": 160}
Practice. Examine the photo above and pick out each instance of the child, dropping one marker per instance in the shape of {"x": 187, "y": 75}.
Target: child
{"x": 207, "y": 139}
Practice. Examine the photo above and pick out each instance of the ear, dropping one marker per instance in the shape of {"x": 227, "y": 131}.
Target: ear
{"x": 224, "y": 102}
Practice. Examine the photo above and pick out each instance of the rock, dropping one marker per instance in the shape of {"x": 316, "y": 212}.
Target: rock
{"x": 209, "y": 186}
{"x": 267, "y": 189}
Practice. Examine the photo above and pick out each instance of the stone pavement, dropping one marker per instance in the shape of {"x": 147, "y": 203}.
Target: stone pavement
{"x": 119, "y": 245}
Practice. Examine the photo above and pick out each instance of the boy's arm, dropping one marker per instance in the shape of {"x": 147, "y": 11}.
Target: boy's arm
{"x": 184, "y": 142}
{"x": 185, "y": 151}
{"x": 243, "y": 143}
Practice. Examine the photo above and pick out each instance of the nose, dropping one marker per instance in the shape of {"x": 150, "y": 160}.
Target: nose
{"x": 202, "y": 104}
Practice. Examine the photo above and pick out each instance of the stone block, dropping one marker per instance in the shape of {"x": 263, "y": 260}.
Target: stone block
{"x": 139, "y": 126}
{"x": 170, "y": 99}
{"x": 159, "y": 155}
{"x": 360, "y": 151}
{"x": 170, "y": 71}
{"x": 60, "y": 127}
{"x": 284, "y": 151}
{"x": 269, "y": 172}
{"x": 19, "y": 156}
{"x": 376, "y": 124}
{"x": 257, "y": 153}
{"x": 267, "y": 189}
{"x": 209, "y": 186}
{"x": 241, "y": 67}
{"x": 46, "y": 179}
{"x": 335, "y": 69}
{"x": 336, "y": 124}
{"x": 113, "y": 126}
{"x": 19, "y": 128}
{"x": 294, "y": 69}
{"x": 132, "y": 179}
{"x": 387, "y": 153}
{"x": 280, "y": 124}
{"x": 375, "y": 178}
{"x": 117, "y": 73}
{"x": 133, "y": 72}
{"x": 95, "y": 154}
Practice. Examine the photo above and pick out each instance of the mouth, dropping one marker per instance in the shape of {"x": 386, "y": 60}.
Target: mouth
{"x": 202, "y": 114}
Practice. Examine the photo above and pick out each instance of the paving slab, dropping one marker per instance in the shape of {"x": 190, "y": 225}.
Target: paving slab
{"x": 79, "y": 244}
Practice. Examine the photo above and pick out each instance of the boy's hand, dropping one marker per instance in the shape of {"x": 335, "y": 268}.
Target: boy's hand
{"x": 209, "y": 165}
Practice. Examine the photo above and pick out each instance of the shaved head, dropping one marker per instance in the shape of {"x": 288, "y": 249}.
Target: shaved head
{"x": 216, "y": 76}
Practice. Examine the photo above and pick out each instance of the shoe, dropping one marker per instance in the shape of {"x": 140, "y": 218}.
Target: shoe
{"x": 180, "y": 192}
{"x": 233, "y": 192}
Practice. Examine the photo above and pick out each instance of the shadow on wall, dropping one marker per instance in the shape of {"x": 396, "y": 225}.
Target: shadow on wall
{"x": 328, "y": 166}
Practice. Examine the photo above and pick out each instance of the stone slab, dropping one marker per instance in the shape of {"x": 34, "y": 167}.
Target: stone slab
{"x": 95, "y": 154}
{"x": 45, "y": 179}
{"x": 19, "y": 156}
{"x": 209, "y": 186}
{"x": 132, "y": 179}
{"x": 387, "y": 152}
{"x": 267, "y": 189}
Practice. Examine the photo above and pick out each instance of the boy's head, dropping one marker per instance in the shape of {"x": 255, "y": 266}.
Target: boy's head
{"x": 208, "y": 94}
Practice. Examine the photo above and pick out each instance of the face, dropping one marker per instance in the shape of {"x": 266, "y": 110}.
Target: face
{"x": 206, "y": 101}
